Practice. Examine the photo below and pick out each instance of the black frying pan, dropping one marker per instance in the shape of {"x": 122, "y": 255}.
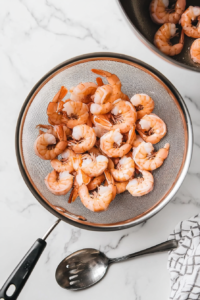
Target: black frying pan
{"x": 137, "y": 13}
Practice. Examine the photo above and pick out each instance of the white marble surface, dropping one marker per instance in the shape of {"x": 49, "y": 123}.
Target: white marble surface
{"x": 34, "y": 37}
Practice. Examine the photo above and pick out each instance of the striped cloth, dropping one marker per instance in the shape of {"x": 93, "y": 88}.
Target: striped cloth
{"x": 184, "y": 262}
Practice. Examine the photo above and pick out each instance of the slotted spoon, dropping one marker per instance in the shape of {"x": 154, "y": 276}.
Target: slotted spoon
{"x": 86, "y": 267}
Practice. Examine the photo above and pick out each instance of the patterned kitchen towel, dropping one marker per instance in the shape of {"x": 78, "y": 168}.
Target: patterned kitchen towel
{"x": 184, "y": 261}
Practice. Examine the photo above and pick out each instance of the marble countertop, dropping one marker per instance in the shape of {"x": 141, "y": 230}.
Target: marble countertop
{"x": 34, "y": 37}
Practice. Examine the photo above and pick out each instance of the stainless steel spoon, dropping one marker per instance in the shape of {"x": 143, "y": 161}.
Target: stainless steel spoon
{"x": 86, "y": 267}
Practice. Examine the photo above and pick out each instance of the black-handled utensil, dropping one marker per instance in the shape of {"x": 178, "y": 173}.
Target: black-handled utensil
{"x": 16, "y": 281}
{"x": 86, "y": 267}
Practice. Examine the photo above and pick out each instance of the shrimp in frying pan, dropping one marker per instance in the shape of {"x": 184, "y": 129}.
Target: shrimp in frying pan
{"x": 191, "y": 14}
{"x": 161, "y": 13}
{"x": 162, "y": 39}
{"x": 195, "y": 51}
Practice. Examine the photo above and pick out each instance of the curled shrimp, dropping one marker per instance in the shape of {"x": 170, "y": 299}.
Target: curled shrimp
{"x": 95, "y": 182}
{"x": 83, "y": 92}
{"x": 65, "y": 164}
{"x": 121, "y": 186}
{"x": 46, "y": 145}
{"x": 147, "y": 159}
{"x": 162, "y": 39}
{"x": 190, "y": 15}
{"x": 84, "y": 138}
{"x": 151, "y": 128}
{"x": 94, "y": 166}
{"x": 102, "y": 94}
{"x": 161, "y": 13}
{"x": 101, "y": 109}
{"x": 59, "y": 183}
{"x": 143, "y": 104}
{"x": 115, "y": 83}
{"x": 123, "y": 116}
{"x": 100, "y": 200}
{"x": 111, "y": 144}
{"x": 55, "y": 117}
{"x": 76, "y": 113}
{"x": 142, "y": 185}
{"x": 195, "y": 51}
{"x": 125, "y": 169}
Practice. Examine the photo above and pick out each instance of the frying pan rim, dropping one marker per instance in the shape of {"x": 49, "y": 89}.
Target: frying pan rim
{"x": 179, "y": 180}
{"x": 149, "y": 44}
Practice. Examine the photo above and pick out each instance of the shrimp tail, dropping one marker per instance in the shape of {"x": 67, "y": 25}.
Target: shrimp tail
{"x": 60, "y": 94}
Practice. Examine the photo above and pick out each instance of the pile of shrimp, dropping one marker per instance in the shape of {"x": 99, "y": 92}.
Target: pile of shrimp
{"x": 168, "y": 16}
{"x": 100, "y": 143}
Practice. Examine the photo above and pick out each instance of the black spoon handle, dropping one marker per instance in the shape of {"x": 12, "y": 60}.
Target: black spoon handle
{"x": 166, "y": 246}
{"x": 20, "y": 275}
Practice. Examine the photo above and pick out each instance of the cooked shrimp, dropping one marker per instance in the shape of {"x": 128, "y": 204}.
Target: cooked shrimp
{"x": 125, "y": 169}
{"x": 84, "y": 138}
{"x": 89, "y": 120}
{"x": 52, "y": 129}
{"x": 98, "y": 201}
{"x": 110, "y": 181}
{"x": 142, "y": 185}
{"x": 121, "y": 186}
{"x": 111, "y": 144}
{"x": 151, "y": 128}
{"x": 195, "y": 51}
{"x": 143, "y": 104}
{"x": 55, "y": 117}
{"x": 137, "y": 141}
{"x": 65, "y": 164}
{"x": 102, "y": 94}
{"x": 77, "y": 113}
{"x": 46, "y": 146}
{"x": 147, "y": 159}
{"x": 99, "y": 130}
{"x": 101, "y": 109}
{"x": 95, "y": 151}
{"x": 99, "y": 81}
{"x": 83, "y": 92}
{"x": 161, "y": 13}
{"x": 94, "y": 166}
{"x": 191, "y": 14}
{"x": 80, "y": 178}
{"x": 123, "y": 116}
{"x": 115, "y": 83}
{"x": 162, "y": 39}
{"x": 95, "y": 182}
{"x": 59, "y": 183}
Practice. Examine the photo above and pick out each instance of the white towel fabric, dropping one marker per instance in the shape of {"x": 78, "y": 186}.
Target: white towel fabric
{"x": 184, "y": 262}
